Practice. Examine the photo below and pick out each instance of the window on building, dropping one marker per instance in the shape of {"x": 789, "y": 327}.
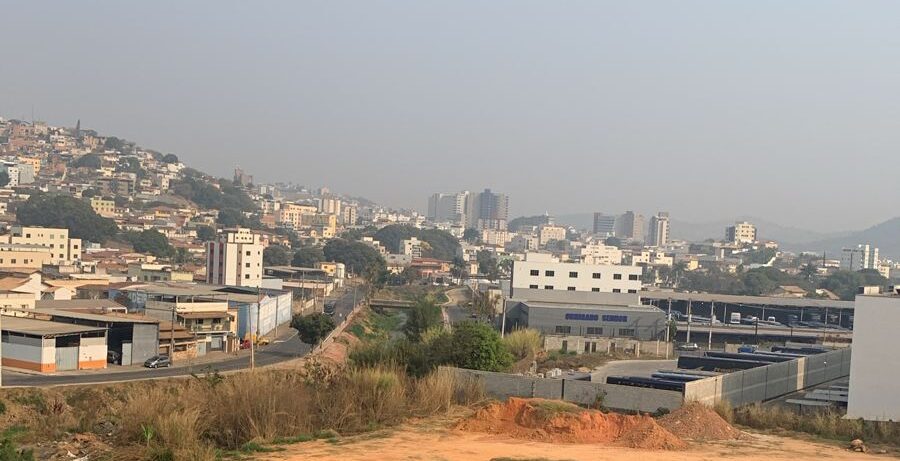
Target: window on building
{"x": 199, "y": 321}
{"x": 12, "y": 261}
{"x": 634, "y": 277}
{"x": 617, "y": 276}
{"x": 533, "y": 287}
{"x": 535, "y": 272}
{"x": 597, "y": 331}
{"x": 246, "y": 264}
{"x": 563, "y": 330}
{"x": 28, "y": 236}
{"x": 617, "y": 290}
{"x": 573, "y": 275}
{"x": 548, "y": 287}
{"x": 247, "y": 276}
{"x": 248, "y": 253}
{"x": 632, "y": 291}
{"x": 571, "y": 289}
{"x": 595, "y": 275}
{"x": 217, "y": 321}
{"x": 626, "y": 331}
{"x": 549, "y": 273}
{"x": 595, "y": 290}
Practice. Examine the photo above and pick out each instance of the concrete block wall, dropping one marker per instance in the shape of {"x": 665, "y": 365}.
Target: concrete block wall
{"x": 502, "y": 386}
{"x": 771, "y": 381}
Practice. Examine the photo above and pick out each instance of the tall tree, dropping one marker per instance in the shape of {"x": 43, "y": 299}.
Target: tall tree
{"x": 276, "y": 255}
{"x": 63, "y": 211}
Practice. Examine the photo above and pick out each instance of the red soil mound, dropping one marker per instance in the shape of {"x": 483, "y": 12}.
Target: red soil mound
{"x": 559, "y": 422}
{"x": 696, "y": 421}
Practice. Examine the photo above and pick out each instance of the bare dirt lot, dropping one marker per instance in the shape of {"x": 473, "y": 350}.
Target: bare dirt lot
{"x": 436, "y": 440}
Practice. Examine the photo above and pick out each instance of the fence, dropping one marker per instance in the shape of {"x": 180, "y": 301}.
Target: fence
{"x": 501, "y": 386}
{"x": 771, "y": 381}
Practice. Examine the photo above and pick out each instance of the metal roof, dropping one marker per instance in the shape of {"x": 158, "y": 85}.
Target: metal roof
{"x": 43, "y": 328}
{"x": 95, "y": 317}
{"x": 204, "y": 315}
{"x": 77, "y": 304}
{"x": 740, "y": 299}
{"x": 597, "y": 306}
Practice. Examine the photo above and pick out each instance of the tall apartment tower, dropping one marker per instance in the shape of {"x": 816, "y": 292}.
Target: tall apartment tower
{"x": 659, "y": 229}
{"x": 604, "y": 225}
{"x": 631, "y": 226}
{"x": 740, "y": 233}
{"x": 488, "y": 210}
{"x": 448, "y": 208}
{"x": 235, "y": 259}
{"x": 859, "y": 258}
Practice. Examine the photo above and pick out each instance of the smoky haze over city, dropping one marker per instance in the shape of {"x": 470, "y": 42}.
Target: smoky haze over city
{"x": 709, "y": 110}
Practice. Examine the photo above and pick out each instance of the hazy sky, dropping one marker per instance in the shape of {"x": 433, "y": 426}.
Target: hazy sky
{"x": 788, "y": 110}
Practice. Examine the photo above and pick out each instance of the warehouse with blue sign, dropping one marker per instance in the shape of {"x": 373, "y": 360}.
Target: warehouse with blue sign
{"x": 614, "y": 315}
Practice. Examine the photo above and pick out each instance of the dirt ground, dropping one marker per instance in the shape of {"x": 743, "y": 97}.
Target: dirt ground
{"x": 438, "y": 442}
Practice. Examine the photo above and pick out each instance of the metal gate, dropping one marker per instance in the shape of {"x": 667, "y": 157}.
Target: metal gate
{"x": 216, "y": 343}
{"x": 201, "y": 348}
{"x": 126, "y": 354}
{"x": 66, "y": 358}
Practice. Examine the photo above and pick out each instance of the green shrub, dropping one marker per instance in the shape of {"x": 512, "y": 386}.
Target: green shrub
{"x": 523, "y": 343}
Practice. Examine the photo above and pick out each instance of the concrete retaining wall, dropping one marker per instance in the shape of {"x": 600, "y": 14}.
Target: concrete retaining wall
{"x": 501, "y": 386}
{"x": 635, "y": 347}
{"x": 771, "y": 381}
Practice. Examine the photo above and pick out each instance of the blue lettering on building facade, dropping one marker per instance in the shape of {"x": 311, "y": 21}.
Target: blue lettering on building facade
{"x": 596, "y": 317}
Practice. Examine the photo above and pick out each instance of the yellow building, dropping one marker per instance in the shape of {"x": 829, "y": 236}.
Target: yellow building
{"x": 20, "y": 256}
{"x": 62, "y": 248}
{"x": 33, "y": 161}
{"x": 103, "y": 207}
{"x": 324, "y": 224}
{"x": 292, "y": 214}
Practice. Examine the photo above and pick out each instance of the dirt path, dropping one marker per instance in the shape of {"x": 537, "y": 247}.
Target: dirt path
{"x": 438, "y": 443}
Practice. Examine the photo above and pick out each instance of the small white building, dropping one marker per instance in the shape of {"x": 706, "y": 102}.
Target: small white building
{"x": 541, "y": 271}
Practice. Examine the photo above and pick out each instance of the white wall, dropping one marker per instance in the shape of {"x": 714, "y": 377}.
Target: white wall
{"x": 875, "y": 364}
{"x": 92, "y": 350}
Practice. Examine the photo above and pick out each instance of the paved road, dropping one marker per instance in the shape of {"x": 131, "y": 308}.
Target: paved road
{"x": 279, "y": 351}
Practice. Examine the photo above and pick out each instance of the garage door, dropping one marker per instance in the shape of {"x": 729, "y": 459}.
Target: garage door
{"x": 66, "y": 358}
{"x": 216, "y": 344}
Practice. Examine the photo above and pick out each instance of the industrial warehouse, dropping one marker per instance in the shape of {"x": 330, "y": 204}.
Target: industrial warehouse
{"x": 45, "y": 346}
{"x": 588, "y": 314}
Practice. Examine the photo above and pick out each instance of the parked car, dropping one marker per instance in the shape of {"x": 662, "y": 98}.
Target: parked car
{"x": 113, "y": 357}
{"x": 687, "y": 347}
{"x": 158, "y": 361}
{"x": 747, "y": 349}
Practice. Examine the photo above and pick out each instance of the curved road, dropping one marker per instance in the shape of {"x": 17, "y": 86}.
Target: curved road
{"x": 278, "y": 351}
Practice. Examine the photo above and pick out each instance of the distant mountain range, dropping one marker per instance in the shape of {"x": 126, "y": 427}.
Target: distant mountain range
{"x": 885, "y": 236}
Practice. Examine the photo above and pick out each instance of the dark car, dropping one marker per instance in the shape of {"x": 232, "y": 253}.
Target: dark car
{"x": 158, "y": 361}
{"x": 113, "y": 357}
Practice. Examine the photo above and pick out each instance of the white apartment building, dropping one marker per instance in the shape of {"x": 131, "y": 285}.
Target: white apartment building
{"x": 495, "y": 237}
{"x": 541, "y": 271}
{"x": 235, "y": 259}
{"x": 411, "y": 247}
{"x": 62, "y": 248}
{"x": 330, "y": 205}
{"x": 375, "y": 244}
{"x": 875, "y": 367}
{"x": 548, "y": 234}
{"x": 859, "y": 258}
{"x": 600, "y": 254}
{"x": 659, "y": 230}
{"x": 740, "y": 233}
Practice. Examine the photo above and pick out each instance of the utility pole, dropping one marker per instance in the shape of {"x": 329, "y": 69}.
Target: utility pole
{"x": 668, "y": 327}
{"x": 172, "y": 333}
{"x": 712, "y": 316}
{"x": 688, "y": 339}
